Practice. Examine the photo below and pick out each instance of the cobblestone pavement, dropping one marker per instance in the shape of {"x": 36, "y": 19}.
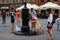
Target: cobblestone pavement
{"x": 5, "y": 33}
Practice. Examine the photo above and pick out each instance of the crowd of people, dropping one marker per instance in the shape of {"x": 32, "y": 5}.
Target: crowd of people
{"x": 13, "y": 16}
{"x": 51, "y": 20}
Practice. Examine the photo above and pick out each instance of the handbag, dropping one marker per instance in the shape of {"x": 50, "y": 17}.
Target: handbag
{"x": 49, "y": 25}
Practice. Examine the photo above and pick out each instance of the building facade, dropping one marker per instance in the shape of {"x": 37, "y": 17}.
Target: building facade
{"x": 17, "y": 3}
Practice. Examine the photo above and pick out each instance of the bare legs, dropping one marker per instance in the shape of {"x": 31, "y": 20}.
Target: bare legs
{"x": 49, "y": 30}
{"x": 33, "y": 25}
{"x": 18, "y": 22}
{"x": 12, "y": 27}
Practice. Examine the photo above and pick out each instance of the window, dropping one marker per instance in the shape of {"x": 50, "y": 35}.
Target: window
{"x": 24, "y": 0}
{"x": 16, "y": 1}
{"x": 6, "y": 1}
{"x": 55, "y": 0}
{"x": 19, "y": 1}
{"x": 2, "y": 1}
{"x": 12, "y": 1}
{"x": 28, "y": 0}
{"x": 42, "y": 0}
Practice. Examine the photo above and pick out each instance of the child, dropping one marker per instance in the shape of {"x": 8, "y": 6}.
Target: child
{"x": 33, "y": 23}
{"x": 58, "y": 22}
{"x": 18, "y": 17}
{"x": 12, "y": 22}
{"x": 38, "y": 28}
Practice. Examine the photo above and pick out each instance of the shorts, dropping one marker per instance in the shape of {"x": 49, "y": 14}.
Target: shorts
{"x": 18, "y": 20}
{"x": 12, "y": 21}
{"x": 49, "y": 27}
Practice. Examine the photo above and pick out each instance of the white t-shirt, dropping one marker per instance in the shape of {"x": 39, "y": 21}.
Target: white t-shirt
{"x": 50, "y": 18}
{"x": 57, "y": 19}
{"x": 33, "y": 15}
{"x": 58, "y": 22}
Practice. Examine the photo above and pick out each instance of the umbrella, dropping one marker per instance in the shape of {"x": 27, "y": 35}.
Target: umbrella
{"x": 49, "y": 5}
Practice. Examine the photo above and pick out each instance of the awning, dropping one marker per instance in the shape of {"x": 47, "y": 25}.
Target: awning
{"x": 4, "y": 7}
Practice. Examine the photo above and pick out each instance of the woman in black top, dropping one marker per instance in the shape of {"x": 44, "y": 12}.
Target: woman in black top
{"x": 12, "y": 22}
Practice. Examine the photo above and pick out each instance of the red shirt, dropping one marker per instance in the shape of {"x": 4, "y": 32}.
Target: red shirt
{"x": 18, "y": 15}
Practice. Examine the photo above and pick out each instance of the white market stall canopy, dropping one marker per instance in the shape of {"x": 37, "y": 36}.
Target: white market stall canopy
{"x": 35, "y": 7}
{"x": 4, "y": 7}
{"x": 29, "y": 6}
{"x": 49, "y": 5}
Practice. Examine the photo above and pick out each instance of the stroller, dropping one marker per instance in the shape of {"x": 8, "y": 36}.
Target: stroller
{"x": 37, "y": 28}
